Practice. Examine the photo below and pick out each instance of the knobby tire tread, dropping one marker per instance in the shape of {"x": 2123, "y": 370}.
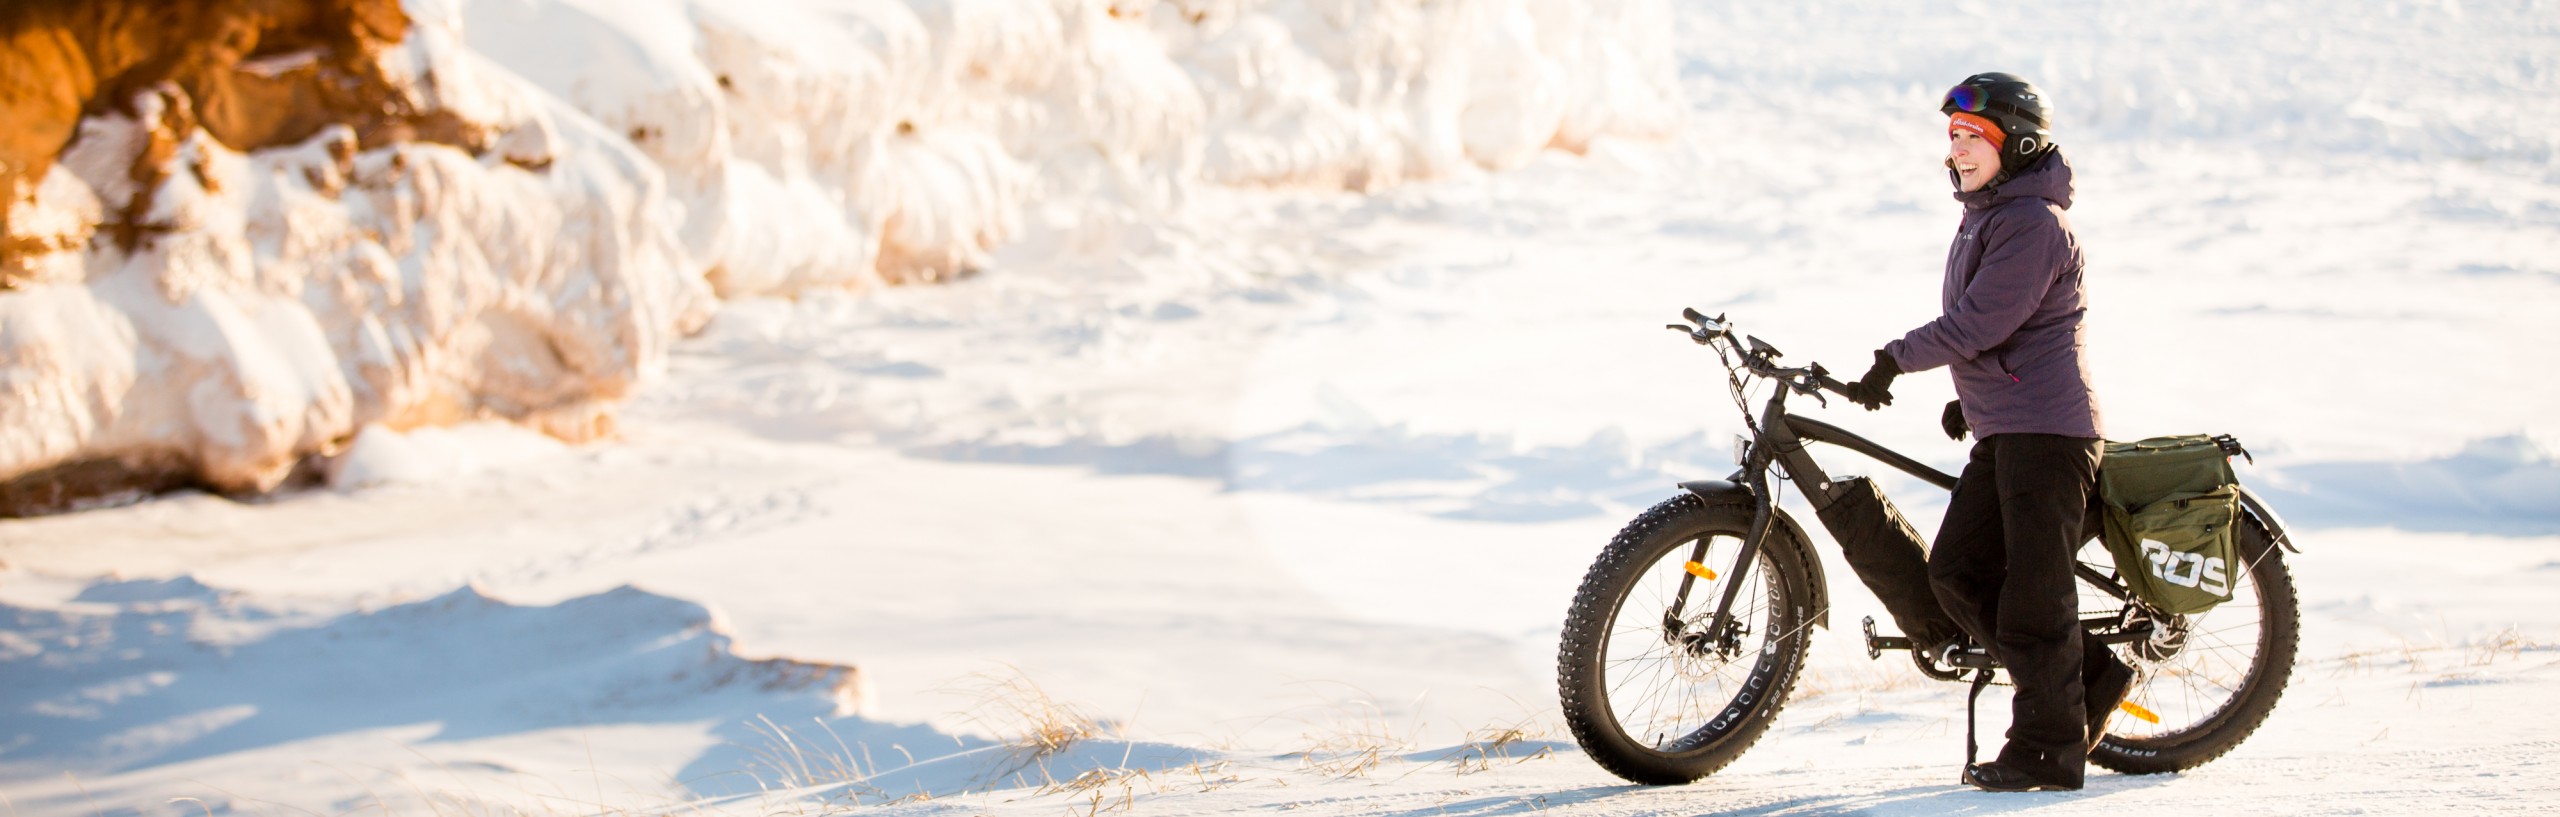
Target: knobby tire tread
{"x": 1585, "y": 632}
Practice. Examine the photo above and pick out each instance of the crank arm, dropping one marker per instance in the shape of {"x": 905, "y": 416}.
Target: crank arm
{"x": 2130, "y": 634}
{"x": 1877, "y": 644}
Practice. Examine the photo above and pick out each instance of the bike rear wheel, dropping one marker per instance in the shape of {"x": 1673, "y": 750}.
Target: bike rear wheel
{"x": 2207, "y": 680}
{"x": 1650, "y": 695}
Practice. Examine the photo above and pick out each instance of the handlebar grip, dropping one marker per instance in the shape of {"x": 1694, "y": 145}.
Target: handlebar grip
{"x": 1691, "y": 313}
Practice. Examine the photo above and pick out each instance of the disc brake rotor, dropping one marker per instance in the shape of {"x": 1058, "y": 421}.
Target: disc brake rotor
{"x": 2168, "y": 637}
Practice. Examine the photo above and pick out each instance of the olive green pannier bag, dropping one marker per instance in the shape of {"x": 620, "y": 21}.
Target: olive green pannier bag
{"x": 2170, "y": 505}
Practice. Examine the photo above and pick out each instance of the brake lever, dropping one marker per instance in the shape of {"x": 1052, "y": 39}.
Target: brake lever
{"x": 1821, "y": 379}
{"x": 1816, "y": 394}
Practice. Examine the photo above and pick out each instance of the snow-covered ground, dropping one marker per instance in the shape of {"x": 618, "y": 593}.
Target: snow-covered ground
{"x": 1282, "y": 514}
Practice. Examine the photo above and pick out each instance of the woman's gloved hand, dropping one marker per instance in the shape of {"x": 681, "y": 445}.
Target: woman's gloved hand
{"x": 1953, "y": 420}
{"x": 1874, "y": 390}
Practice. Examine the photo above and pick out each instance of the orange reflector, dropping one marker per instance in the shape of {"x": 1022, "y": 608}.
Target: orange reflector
{"x": 2136, "y": 710}
{"x": 1701, "y": 571}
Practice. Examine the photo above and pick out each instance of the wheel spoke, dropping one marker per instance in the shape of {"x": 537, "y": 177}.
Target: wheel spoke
{"x": 2212, "y": 665}
{"x": 1661, "y": 690}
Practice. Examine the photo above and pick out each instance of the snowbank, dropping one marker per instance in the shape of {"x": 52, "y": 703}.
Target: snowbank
{"x": 267, "y": 305}
{"x": 568, "y": 175}
{"x": 825, "y": 142}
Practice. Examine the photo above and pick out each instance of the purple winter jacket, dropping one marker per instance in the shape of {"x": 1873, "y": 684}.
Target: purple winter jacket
{"x": 2013, "y": 301}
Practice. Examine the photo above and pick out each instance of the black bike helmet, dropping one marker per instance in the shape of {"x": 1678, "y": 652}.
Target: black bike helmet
{"x": 2015, "y": 105}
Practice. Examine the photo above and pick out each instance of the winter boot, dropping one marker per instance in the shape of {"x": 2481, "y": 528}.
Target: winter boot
{"x": 2102, "y": 692}
{"x": 2000, "y": 776}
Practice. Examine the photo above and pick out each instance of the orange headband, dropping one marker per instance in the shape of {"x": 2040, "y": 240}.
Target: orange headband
{"x": 1981, "y": 126}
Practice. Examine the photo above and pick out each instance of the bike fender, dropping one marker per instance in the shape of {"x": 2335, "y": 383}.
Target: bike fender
{"x": 1716, "y": 488}
{"x": 2266, "y": 516}
{"x": 1725, "y": 489}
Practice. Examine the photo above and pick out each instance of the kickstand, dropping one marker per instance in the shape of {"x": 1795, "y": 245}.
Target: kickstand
{"x": 1981, "y": 678}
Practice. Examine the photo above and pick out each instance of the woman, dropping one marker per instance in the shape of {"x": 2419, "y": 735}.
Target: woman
{"x": 2012, "y": 335}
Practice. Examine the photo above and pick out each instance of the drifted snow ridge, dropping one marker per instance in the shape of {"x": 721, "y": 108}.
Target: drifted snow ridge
{"x": 233, "y": 237}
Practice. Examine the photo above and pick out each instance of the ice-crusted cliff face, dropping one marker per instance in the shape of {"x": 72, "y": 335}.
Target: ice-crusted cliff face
{"x": 820, "y": 142}
{"x": 411, "y": 236}
{"x": 237, "y": 232}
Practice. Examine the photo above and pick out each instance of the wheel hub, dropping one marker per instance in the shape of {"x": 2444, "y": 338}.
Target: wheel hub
{"x": 2168, "y": 637}
{"x": 1702, "y": 653}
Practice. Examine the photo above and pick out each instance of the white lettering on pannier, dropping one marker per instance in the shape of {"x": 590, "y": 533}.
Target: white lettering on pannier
{"x": 2187, "y": 569}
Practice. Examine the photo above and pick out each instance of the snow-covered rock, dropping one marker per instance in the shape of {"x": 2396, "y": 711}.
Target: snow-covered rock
{"x": 269, "y": 304}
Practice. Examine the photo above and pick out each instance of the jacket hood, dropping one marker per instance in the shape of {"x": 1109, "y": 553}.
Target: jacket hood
{"x": 2047, "y": 178}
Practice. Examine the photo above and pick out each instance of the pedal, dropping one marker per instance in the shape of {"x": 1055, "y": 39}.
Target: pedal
{"x": 1962, "y": 657}
{"x": 1877, "y": 644}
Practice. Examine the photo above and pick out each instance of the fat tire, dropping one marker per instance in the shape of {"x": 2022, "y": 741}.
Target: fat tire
{"x": 1581, "y": 680}
{"x": 2281, "y": 622}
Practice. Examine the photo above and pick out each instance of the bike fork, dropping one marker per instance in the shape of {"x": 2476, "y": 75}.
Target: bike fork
{"x": 1763, "y": 518}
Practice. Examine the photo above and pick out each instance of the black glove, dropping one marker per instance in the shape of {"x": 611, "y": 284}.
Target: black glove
{"x": 1953, "y": 420}
{"x": 1872, "y": 391}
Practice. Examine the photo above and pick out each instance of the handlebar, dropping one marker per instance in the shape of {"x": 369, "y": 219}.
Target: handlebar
{"x": 1758, "y": 356}
{"x": 1716, "y": 323}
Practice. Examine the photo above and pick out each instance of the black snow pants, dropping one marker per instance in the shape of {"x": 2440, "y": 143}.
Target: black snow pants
{"x": 2002, "y": 568}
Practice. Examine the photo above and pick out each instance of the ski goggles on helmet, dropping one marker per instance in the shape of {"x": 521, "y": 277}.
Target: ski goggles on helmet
{"x": 1966, "y": 98}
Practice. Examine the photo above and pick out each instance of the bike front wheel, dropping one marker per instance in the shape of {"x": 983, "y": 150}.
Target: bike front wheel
{"x": 1650, "y": 693}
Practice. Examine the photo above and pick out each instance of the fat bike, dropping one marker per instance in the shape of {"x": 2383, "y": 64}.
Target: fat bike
{"x": 1690, "y": 629}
